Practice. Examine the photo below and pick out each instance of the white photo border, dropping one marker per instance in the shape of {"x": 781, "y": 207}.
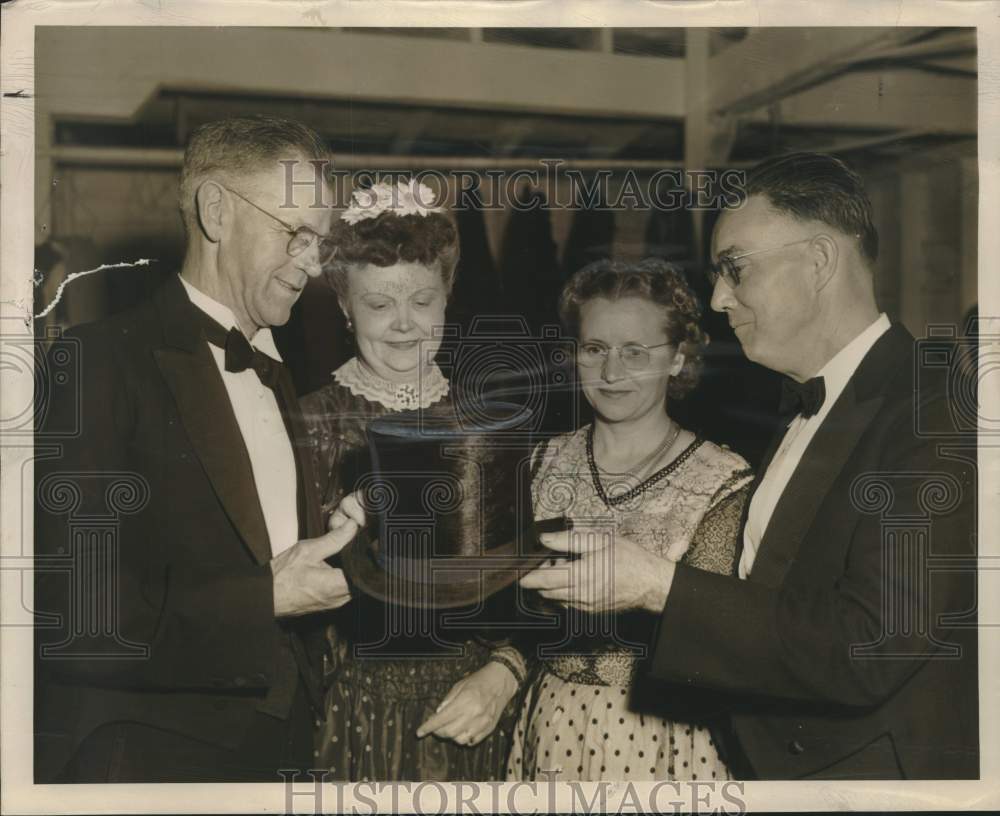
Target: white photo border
{"x": 17, "y": 215}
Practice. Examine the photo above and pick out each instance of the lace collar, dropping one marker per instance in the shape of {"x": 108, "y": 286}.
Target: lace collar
{"x": 361, "y": 382}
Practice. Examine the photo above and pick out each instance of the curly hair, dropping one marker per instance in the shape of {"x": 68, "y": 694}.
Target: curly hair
{"x": 431, "y": 240}
{"x": 650, "y": 279}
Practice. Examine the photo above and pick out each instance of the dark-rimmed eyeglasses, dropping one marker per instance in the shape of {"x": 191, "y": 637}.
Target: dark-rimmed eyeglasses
{"x": 634, "y": 356}
{"x": 727, "y": 269}
{"x": 301, "y": 238}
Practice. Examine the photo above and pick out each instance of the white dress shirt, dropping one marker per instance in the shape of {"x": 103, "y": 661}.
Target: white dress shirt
{"x": 259, "y": 419}
{"x": 836, "y": 374}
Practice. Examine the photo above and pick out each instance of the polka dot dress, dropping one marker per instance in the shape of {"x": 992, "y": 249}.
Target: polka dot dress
{"x": 581, "y": 720}
{"x": 588, "y": 733}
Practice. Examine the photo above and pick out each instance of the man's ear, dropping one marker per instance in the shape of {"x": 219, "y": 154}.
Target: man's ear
{"x": 825, "y": 254}
{"x": 209, "y": 205}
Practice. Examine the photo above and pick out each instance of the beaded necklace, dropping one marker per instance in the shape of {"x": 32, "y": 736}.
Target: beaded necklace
{"x": 640, "y": 467}
{"x": 642, "y": 487}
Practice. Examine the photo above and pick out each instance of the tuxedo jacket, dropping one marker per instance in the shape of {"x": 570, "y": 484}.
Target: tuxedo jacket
{"x": 850, "y": 650}
{"x": 154, "y": 595}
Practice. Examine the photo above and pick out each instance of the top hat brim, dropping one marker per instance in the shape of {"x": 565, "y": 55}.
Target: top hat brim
{"x": 454, "y": 581}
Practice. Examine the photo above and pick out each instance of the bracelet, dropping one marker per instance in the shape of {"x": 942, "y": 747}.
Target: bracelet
{"x": 506, "y": 661}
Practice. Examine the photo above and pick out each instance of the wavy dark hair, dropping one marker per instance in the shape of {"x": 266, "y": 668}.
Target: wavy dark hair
{"x": 431, "y": 240}
{"x": 651, "y": 279}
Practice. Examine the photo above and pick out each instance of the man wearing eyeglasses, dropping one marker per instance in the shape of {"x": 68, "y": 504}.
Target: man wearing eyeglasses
{"x": 846, "y": 641}
{"x": 179, "y": 652}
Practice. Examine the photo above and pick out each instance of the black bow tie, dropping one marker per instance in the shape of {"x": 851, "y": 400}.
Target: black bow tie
{"x": 802, "y": 398}
{"x": 240, "y": 356}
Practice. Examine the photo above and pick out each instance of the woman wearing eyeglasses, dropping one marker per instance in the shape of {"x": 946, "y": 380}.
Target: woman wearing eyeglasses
{"x": 638, "y": 474}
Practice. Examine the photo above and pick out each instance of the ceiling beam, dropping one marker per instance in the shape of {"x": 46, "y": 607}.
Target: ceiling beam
{"x": 325, "y": 64}
{"x": 880, "y": 141}
{"x": 946, "y": 44}
{"x": 170, "y": 158}
{"x": 883, "y": 100}
{"x": 773, "y": 63}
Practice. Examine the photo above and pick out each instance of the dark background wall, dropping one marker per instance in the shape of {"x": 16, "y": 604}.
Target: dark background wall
{"x": 110, "y": 138}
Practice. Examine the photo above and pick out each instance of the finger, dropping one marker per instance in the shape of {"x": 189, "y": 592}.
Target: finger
{"x": 577, "y": 540}
{"x": 441, "y": 721}
{"x": 560, "y": 594}
{"x": 483, "y": 728}
{"x": 451, "y": 695}
{"x": 569, "y": 603}
{"x": 351, "y": 507}
{"x": 337, "y": 520}
{"x": 545, "y": 578}
{"x": 458, "y": 731}
{"x": 569, "y": 596}
{"x": 333, "y": 541}
{"x": 556, "y": 541}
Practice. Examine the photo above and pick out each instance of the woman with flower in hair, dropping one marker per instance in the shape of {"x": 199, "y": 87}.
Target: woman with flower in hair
{"x": 636, "y": 473}
{"x": 424, "y": 715}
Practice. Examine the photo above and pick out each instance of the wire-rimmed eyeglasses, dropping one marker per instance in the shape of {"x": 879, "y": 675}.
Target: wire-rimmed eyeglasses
{"x": 634, "y": 356}
{"x": 727, "y": 269}
{"x": 301, "y": 238}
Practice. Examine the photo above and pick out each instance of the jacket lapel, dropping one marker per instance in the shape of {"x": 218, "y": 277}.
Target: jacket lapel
{"x": 772, "y": 448}
{"x": 192, "y": 375}
{"x": 310, "y": 512}
{"x": 825, "y": 457}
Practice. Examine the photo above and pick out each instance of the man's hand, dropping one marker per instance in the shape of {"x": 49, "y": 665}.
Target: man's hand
{"x": 349, "y": 510}
{"x": 612, "y": 573}
{"x": 472, "y": 708}
{"x": 304, "y": 582}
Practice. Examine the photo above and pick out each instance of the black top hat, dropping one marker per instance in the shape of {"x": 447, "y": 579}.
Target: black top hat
{"x": 449, "y": 496}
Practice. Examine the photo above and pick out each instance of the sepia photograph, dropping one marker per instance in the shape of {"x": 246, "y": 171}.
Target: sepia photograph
{"x": 521, "y": 408}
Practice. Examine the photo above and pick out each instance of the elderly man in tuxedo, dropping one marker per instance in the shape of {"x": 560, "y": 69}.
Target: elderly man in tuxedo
{"x": 171, "y": 642}
{"x": 845, "y": 644}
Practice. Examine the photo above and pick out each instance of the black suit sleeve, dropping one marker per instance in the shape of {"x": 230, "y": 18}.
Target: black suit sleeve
{"x": 141, "y": 617}
{"x": 795, "y": 640}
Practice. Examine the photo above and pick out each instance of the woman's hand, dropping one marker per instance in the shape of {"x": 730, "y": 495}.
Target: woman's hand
{"x": 471, "y": 710}
{"x": 612, "y": 573}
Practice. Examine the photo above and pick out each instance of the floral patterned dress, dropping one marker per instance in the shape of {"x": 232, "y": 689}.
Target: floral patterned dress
{"x": 376, "y": 700}
{"x": 591, "y": 712}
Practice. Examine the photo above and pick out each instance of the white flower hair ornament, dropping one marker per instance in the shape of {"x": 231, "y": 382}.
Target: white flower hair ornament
{"x": 405, "y": 198}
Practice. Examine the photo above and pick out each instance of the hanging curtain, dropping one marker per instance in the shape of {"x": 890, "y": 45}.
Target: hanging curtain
{"x": 591, "y": 237}
{"x": 477, "y": 289}
{"x": 670, "y": 235}
{"x": 529, "y": 266}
